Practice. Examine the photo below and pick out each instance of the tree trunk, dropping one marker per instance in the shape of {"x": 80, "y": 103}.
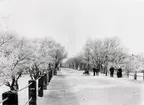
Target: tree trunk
{"x": 55, "y": 69}
{"x": 14, "y": 86}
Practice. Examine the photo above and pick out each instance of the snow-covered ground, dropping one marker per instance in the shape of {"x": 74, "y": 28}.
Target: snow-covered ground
{"x": 71, "y": 87}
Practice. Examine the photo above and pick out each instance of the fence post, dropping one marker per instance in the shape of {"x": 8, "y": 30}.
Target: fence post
{"x": 143, "y": 76}
{"x": 55, "y": 72}
{"x": 47, "y": 77}
{"x": 135, "y": 75}
{"x": 45, "y": 81}
{"x": 11, "y": 98}
{"x": 40, "y": 87}
{"x": 32, "y": 92}
{"x": 50, "y": 75}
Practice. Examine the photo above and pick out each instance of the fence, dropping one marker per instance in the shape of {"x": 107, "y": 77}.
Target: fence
{"x": 136, "y": 76}
{"x": 11, "y": 97}
{"x": 132, "y": 75}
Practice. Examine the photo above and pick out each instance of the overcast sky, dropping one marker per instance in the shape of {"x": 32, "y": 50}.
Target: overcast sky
{"x": 71, "y": 22}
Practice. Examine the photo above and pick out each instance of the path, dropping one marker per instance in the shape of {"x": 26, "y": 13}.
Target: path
{"x": 70, "y": 87}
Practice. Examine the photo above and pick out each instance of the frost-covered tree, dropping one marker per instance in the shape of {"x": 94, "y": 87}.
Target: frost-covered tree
{"x": 57, "y": 54}
{"x": 45, "y": 51}
{"x": 14, "y": 54}
{"x": 76, "y": 62}
{"x": 103, "y": 53}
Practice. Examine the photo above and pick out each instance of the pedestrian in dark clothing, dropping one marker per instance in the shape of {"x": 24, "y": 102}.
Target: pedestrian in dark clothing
{"x": 119, "y": 73}
{"x": 111, "y": 71}
{"x": 94, "y": 70}
{"x": 98, "y": 69}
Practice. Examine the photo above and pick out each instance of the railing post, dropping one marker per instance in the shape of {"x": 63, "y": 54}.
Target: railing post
{"x": 40, "y": 87}
{"x": 55, "y": 72}
{"x": 48, "y": 78}
{"x": 45, "y": 81}
{"x": 50, "y": 75}
{"x": 32, "y": 92}
{"x": 135, "y": 75}
{"x": 11, "y": 98}
{"x": 143, "y": 76}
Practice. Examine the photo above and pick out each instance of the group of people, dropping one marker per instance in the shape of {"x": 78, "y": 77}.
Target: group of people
{"x": 96, "y": 71}
{"x": 119, "y": 72}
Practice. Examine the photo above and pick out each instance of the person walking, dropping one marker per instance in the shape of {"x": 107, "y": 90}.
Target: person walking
{"x": 119, "y": 73}
{"x": 111, "y": 71}
{"x": 94, "y": 70}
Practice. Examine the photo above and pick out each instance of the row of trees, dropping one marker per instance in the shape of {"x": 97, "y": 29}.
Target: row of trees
{"x": 105, "y": 52}
{"x": 18, "y": 55}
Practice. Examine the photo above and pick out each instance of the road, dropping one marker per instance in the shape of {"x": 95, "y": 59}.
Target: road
{"x": 71, "y": 87}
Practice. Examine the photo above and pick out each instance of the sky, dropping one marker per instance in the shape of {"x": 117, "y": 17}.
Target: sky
{"x": 72, "y": 22}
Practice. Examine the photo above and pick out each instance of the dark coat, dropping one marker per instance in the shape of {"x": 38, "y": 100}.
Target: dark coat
{"x": 112, "y": 69}
{"x": 94, "y": 69}
{"x": 119, "y": 72}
